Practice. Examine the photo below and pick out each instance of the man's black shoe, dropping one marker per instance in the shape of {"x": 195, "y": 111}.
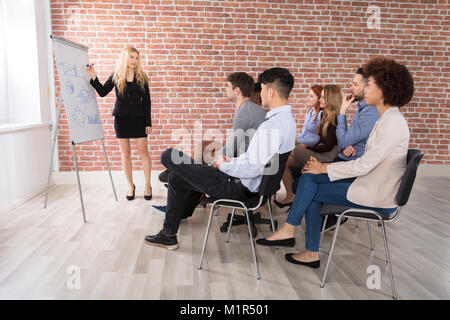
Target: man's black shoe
{"x": 331, "y": 222}
{"x": 164, "y": 176}
{"x": 162, "y": 240}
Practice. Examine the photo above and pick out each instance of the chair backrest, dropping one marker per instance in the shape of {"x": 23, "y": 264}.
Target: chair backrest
{"x": 412, "y": 163}
{"x": 271, "y": 180}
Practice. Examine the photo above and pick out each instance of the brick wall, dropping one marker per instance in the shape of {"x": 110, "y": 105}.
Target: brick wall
{"x": 189, "y": 47}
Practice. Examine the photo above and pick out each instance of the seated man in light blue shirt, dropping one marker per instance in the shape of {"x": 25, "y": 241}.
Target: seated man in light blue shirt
{"x": 232, "y": 178}
{"x": 352, "y": 140}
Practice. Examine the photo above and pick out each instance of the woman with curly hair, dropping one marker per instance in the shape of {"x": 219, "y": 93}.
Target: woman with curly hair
{"x": 369, "y": 182}
{"x": 131, "y": 112}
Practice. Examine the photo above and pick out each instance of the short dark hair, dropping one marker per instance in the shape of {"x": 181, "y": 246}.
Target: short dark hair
{"x": 280, "y": 78}
{"x": 361, "y": 72}
{"x": 257, "y": 87}
{"x": 243, "y": 81}
{"x": 394, "y": 80}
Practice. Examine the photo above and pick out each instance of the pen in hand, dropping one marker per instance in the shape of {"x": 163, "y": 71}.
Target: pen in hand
{"x": 91, "y": 71}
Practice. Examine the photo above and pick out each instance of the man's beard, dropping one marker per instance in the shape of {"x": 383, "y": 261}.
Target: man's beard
{"x": 358, "y": 98}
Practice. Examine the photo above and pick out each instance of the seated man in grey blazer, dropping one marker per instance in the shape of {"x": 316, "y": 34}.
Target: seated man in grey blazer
{"x": 248, "y": 117}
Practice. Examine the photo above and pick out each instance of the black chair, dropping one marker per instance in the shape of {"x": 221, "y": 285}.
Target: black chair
{"x": 413, "y": 159}
{"x": 269, "y": 185}
{"x": 240, "y": 219}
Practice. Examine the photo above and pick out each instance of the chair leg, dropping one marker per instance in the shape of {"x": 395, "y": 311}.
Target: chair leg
{"x": 229, "y": 226}
{"x": 381, "y": 224}
{"x": 269, "y": 205}
{"x": 252, "y": 245}
{"x": 370, "y": 236}
{"x": 331, "y": 251}
{"x": 323, "y": 228}
{"x": 394, "y": 294}
{"x": 206, "y": 237}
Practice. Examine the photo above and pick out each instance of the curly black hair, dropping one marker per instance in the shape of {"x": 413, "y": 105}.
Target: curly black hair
{"x": 394, "y": 80}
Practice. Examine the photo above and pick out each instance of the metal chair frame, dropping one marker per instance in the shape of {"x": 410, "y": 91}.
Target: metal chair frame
{"x": 381, "y": 221}
{"x": 240, "y": 205}
{"x": 266, "y": 190}
{"x": 401, "y": 200}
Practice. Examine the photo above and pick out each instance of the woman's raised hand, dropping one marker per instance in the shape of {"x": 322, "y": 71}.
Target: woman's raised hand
{"x": 90, "y": 70}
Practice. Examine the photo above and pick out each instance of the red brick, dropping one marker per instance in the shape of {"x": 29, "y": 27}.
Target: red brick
{"x": 189, "y": 47}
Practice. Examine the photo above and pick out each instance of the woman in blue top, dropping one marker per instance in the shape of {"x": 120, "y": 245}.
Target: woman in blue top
{"x": 309, "y": 137}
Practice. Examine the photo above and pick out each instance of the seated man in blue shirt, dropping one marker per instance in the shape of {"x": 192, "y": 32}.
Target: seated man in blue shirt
{"x": 231, "y": 178}
{"x": 352, "y": 140}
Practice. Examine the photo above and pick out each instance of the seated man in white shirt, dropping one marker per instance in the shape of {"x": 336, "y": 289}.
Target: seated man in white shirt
{"x": 231, "y": 178}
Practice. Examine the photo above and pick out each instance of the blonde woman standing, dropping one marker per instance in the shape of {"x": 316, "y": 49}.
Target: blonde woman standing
{"x": 131, "y": 112}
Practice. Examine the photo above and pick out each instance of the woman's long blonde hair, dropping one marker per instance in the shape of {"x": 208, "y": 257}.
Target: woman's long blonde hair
{"x": 120, "y": 72}
{"x": 333, "y": 99}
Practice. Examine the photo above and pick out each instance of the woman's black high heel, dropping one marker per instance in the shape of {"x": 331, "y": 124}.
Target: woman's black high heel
{"x": 150, "y": 196}
{"x": 129, "y": 198}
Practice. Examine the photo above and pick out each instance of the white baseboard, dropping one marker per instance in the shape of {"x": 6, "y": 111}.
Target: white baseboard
{"x": 102, "y": 177}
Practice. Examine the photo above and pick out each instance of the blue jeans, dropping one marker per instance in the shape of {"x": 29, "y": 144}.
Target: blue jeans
{"x": 313, "y": 190}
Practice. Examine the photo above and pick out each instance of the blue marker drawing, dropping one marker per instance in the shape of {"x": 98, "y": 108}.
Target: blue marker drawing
{"x": 93, "y": 119}
{"x": 68, "y": 87}
{"x": 85, "y": 96}
{"x": 79, "y": 97}
{"x": 73, "y": 69}
{"x": 79, "y": 117}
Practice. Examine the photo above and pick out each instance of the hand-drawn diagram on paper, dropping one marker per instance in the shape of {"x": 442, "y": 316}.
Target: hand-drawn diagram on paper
{"x": 78, "y": 95}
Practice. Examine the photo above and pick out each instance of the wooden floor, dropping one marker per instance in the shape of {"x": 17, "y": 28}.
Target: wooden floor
{"x": 40, "y": 247}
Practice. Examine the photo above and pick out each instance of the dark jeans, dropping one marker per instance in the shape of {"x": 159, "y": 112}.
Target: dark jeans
{"x": 297, "y": 173}
{"x": 187, "y": 181}
{"x": 313, "y": 190}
